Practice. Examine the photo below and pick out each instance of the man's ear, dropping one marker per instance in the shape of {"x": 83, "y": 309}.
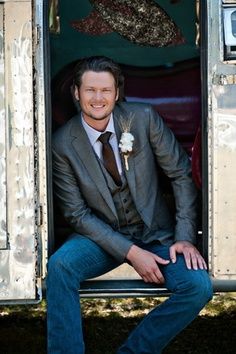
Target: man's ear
{"x": 76, "y": 92}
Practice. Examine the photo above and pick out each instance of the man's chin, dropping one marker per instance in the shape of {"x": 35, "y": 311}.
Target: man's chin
{"x": 100, "y": 118}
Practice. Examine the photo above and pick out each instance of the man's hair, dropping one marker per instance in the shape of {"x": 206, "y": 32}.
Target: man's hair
{"x": 99, "y": 64}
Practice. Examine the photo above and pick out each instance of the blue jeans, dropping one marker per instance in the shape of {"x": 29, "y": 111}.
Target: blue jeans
{"x": 79, "y": 259}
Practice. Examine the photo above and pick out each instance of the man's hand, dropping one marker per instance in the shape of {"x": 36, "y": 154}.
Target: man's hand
{"x": 145, "y": 264}
{"x": 192, "y": 257}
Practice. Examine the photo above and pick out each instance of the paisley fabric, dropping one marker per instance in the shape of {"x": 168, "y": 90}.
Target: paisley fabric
{"x": 93, "y": 24}
{"x": 142, "y": 22}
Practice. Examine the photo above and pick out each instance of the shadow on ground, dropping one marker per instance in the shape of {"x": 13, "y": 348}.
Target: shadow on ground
{"x": 108, "y": 322}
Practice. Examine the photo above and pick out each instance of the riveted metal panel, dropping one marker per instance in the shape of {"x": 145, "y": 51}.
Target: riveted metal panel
{"x": 18, "y": 262}
{"x": 3, "y": 233}
{"x": 221, "y": 150}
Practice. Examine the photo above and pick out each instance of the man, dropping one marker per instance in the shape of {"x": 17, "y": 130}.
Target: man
{"x": 107, "y": 186}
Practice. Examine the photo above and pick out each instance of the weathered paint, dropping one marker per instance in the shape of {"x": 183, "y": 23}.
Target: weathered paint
{"x": 221, "y": 151}
{"x": 3, "y": 233}
{"x": 17, "y": 272}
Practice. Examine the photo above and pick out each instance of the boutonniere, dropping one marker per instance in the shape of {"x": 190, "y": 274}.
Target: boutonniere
{"x": 127, "y": 139}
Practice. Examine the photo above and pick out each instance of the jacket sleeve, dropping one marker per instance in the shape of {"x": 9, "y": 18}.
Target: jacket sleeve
{"x": 176, "y": 165}
{"x": 79, "y": 215}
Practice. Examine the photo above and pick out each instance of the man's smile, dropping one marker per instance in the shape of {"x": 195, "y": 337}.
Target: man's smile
{"x": 97, "y": 106}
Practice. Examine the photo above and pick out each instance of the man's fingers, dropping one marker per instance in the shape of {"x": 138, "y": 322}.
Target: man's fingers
{"x": 153, "y": 275}
{"x": 160, "y": 278}
{"x": 187, "y": 259}
{"x": 155, "y": 278}
{"x": 173, "y": 254}
{"x": 194, "y": 260}
{"x": 146, "y": 264}
{"x": 161, "y": 260}
{"x": 201, "y": 262}
{"x": 145, "y": 279}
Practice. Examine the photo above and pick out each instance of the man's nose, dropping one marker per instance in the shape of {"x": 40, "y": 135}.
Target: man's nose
{"x": 98, "y": 95}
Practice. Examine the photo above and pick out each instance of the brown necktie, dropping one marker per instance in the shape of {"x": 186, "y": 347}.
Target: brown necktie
{"x": 109, "y": 159}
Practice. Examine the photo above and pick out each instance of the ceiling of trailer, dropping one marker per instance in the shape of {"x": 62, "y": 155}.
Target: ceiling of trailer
{"x": 100, "y": 28}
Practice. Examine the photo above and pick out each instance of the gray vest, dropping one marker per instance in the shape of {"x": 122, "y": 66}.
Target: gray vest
{"x": 130, "y": 222}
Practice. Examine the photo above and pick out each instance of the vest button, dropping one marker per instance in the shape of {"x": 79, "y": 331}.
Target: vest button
{"x": 125, "y": 200}
{"x": 127, "y": 211}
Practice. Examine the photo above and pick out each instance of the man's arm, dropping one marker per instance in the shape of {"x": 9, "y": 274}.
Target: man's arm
{"x": 79, "y": 215}
{"x": 175, "y": 163}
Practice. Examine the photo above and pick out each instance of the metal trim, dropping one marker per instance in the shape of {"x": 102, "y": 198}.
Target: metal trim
{"x": 3, "y": 192}
{"x": 41, "y": 133}
{"x": 137, "y": 288}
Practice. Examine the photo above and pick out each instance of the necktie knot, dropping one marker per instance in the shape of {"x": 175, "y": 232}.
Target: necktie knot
{"x": 104, "y": 138}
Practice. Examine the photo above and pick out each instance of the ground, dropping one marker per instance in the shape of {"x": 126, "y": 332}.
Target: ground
{"x": 107, "y": 323}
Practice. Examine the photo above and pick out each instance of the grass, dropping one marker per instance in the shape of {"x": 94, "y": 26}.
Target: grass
{"x": 107, "y": 323}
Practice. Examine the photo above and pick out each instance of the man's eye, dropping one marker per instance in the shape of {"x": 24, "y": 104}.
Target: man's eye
{"x": 90, "y": 90}
{"x": 106, "y": 90}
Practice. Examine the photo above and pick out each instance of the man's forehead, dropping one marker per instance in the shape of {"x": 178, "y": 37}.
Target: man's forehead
{"x": 95, "y": 78}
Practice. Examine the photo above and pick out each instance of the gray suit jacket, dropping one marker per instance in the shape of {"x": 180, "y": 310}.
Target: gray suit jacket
{"x": 83, "y": 194}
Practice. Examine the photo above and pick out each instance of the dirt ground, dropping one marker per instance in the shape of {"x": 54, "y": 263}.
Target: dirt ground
{"x": 107, "y": 323}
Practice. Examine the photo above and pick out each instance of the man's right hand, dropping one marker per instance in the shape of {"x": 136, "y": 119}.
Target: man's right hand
{"x": 146, "y": 264}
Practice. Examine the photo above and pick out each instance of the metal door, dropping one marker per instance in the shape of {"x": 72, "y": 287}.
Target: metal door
{"x": 220, "y": 123}
{"x": 22, "y": 151}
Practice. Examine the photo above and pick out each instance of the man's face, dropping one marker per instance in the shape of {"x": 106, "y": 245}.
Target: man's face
{"x": 97, "y": 96}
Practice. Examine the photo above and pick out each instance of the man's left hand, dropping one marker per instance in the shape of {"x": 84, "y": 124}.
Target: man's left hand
{"x": 192, "y": 257}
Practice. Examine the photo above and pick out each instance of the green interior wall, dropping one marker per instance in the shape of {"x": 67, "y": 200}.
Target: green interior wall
{"x": 71, "y": 45}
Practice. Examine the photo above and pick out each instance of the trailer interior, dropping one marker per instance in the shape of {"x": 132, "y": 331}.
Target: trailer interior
{"x": 161, "y": 67}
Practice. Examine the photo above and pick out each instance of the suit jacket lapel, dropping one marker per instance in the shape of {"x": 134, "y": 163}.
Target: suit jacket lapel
{"x": 130, "y": 174}
{"x": 85, "y": 151}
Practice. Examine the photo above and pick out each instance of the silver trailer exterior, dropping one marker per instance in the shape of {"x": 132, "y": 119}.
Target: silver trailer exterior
{"x": 220, "y": 128}
{"x": 23, "y": 205}
{"x": 25, "y": 183}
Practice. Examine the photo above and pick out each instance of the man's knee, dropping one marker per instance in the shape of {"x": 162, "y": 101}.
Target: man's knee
{"x": 198, "y": 287}
{"x": 205, "y": 287}
{"x": 56, "y": 267}
{"x": 61, "y": 268}
{"x": 55, "y": 263}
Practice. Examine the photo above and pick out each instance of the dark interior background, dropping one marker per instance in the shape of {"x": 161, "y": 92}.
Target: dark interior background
{"x": 167, "y": 77}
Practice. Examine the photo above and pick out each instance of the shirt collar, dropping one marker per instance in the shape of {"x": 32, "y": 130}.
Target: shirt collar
{"x": 94, "y": 134}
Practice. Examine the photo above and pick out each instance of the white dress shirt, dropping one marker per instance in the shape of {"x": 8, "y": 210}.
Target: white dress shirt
{"x": 93, "y": 136}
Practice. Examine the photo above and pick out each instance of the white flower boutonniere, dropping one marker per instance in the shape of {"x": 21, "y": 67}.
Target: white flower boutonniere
{"x": 126, "y": 140}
